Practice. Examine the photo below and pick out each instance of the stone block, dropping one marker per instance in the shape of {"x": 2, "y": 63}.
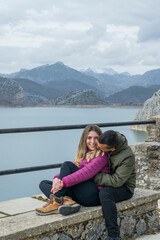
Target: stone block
{"x": 127, "y": 226}
{"x": 141, "y": 227}
{"x": 76, "y": 231}
{"x": 95, "y": 231}
{"x": 55, "y": 237}
{"x": 20, "y": 205}
{"x": 64, "y": 237}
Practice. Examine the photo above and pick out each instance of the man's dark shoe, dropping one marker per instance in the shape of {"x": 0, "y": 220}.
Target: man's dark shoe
{"x": 68, "y": 207}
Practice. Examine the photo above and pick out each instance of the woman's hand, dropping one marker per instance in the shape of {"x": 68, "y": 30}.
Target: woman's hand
{"x": 57, "y": 185}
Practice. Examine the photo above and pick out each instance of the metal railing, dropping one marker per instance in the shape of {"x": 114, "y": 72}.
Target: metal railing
{"x": 55, "y": 128}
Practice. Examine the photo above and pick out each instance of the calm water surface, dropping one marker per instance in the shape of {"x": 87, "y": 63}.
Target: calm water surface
{"x": 32, "y": 149}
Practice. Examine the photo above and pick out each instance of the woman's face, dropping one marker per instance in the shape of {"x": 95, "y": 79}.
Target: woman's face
{"x": 92, "y": 140}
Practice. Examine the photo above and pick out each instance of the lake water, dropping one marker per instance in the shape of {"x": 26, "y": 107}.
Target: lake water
{"x": 32, "y": 149}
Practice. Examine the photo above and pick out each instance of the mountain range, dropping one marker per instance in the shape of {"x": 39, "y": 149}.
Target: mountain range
{"x": 134, "y": 95}
{"x": 49, "y": 84}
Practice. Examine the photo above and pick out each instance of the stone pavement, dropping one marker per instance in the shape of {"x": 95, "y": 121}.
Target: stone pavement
{"x": 18, "y": 206}
{"x": 150, "y": 237}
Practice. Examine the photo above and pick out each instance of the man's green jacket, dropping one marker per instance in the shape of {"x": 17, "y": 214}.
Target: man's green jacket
{"x": 122, "y": 167}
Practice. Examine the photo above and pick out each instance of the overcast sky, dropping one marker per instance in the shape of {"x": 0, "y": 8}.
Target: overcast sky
{"x": 119, "y": 34}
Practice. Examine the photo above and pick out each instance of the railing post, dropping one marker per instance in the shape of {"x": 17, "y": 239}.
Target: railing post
{"x": 153, "y": 130}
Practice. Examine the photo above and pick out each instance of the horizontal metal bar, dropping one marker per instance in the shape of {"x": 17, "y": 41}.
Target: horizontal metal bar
{"x": 29, "y": 169}
{"x": 65, "y": 127}
{"x": 69, "y": 127}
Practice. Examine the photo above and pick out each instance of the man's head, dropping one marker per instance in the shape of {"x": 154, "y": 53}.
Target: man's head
{"x": 108, "y": 141}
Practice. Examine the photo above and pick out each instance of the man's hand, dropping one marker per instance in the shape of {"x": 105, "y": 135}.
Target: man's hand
{"x": 57, "y": 185}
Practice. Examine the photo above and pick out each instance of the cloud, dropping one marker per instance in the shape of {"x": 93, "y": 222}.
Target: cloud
{"x": 149, "y": 32}
{"x": 86, "y": 33}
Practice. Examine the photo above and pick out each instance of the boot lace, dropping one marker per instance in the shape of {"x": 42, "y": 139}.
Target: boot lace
{"x": 48, "y": 203}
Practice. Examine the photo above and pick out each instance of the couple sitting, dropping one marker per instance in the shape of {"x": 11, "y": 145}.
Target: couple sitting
{"x": 103, "y": 173}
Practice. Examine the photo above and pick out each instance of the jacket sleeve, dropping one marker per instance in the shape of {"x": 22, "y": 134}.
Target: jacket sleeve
{"x": 87, "y": 172}
{"x": 56, "y": 176}
{"x": 119, "y": 177}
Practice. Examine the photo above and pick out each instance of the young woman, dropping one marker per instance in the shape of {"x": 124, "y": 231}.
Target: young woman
{"x": 75, "y": 178}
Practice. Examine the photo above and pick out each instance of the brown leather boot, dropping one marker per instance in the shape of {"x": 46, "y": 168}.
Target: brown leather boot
{"x": 68, "y": 207}
{"x": 51, "y": 207}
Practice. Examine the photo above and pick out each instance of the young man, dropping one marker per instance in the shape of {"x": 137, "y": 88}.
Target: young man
{"x": 120, "y": 183}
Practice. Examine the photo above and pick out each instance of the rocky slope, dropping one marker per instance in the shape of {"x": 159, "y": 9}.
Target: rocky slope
{"x": 135, "y": 95}
{"x": 151, "y": 107}
{"x": 10, "y": 92}
{"x": 85, "y": 97}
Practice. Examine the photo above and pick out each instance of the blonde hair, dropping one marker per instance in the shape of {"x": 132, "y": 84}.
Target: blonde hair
{"x": 82, "y": 148}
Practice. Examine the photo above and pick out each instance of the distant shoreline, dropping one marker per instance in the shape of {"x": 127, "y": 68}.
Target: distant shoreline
{"x": 96, "y": 106}
{"x": 74, "y": 106}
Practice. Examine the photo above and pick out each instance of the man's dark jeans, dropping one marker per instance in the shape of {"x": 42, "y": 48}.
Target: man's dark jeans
{"x": 109, "y": 196}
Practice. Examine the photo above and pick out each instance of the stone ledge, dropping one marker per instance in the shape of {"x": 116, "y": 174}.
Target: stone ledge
{"x": 146, "y": 143}
{"x": 30, "y": 226}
